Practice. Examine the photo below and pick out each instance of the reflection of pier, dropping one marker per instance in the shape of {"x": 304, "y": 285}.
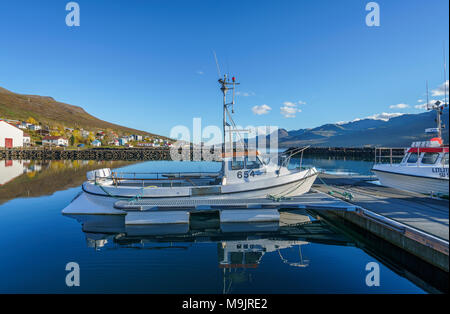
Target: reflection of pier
{"x": 294, "y": 226}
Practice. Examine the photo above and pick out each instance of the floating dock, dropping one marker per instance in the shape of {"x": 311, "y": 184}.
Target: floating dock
{"x": 414, "y": 222}
{"x": 313, "y": 200}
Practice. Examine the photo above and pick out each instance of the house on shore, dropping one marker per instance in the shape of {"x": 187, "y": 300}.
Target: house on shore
{"x": 85, "y": 133}
{"x": 10, "y": 135}
{"x": 26, "y": 139}
{"x": 114, "y": 142}
{"x": 34, "y": 127}
{"x": 96, "y": 143}
{"x": 55, "y": 141}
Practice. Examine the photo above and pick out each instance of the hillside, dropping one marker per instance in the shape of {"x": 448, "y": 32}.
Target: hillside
{"x": 398, "y": 131}
{"x": 48, "y": 111}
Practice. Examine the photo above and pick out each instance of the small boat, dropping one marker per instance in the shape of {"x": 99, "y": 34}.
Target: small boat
{"x": 423, "y": 168}
{"x": 244, "y": 174}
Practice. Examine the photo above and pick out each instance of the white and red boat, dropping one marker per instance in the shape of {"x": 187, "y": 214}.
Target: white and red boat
{"x": 423, "y": 168}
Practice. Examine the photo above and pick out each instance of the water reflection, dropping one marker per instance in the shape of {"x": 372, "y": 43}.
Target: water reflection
{"x": 30, "y": 178}
{"x": 240, "y": 246}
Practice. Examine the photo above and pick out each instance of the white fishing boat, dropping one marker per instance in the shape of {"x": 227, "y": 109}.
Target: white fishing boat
{"x": 423, "y": 168}
{"x": 244, "y": 174}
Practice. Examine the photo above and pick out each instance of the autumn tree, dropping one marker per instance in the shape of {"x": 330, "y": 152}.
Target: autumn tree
{"x": 31, "y": 120}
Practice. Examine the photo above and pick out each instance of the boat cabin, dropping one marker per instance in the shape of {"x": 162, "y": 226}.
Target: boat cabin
{"x": 428, "y": 153}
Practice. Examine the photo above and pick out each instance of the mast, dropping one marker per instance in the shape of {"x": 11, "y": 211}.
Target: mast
{"x": 438, "y": 106}
{"x": 225, "y": 86}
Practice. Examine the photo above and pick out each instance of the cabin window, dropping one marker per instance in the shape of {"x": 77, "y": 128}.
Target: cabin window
{"x": 445, "y": 159}
{"x": 237, "y": 163}
{"x": 252, "y": 164}
{"x": 413, "y": 157}
{"x": 430, "y": 158}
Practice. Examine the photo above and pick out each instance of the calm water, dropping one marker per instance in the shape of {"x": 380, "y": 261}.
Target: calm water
{"x": 304, "y": 255}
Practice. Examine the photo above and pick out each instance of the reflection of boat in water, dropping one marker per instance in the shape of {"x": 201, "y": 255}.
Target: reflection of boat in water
{"x": 245, "y": 173}
{"x": 248, "y": 253}
{"x": 239, "y": 249}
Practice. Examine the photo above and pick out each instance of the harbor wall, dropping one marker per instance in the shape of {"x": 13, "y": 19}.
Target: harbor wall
{"x": 40, "y": 153}
{"x": 129, "y": 154}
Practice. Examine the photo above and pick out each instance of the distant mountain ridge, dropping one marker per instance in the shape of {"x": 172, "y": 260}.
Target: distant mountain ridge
{"x": 397, "y": 131}
{"x": 48, "y": 111}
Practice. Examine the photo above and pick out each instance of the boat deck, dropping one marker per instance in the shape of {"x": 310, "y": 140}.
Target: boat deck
{"x": 416, "y": 210}
{"x": 312, "y": 200}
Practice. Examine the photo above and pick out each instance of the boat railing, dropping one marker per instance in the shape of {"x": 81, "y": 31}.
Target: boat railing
{"x": 383, "y": 154}
{"x": 162, "y": 177}
{"x": 290, "y": 153}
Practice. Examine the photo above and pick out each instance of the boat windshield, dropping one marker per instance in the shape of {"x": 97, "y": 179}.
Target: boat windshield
{"x": 445, "y": 159}
{"x": 430, "y": 158}
{"x": 252, "y": 163}
{"x": 237, "y": 163}
{"x": 413, "y": 157}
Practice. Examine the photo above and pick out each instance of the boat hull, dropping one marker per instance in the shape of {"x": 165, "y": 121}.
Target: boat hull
{"x": 286, "y": 186}
{"x": 417, "y": 184}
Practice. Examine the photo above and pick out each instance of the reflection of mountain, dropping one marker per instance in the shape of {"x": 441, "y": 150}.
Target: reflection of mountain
{"x": 19, "y": 178}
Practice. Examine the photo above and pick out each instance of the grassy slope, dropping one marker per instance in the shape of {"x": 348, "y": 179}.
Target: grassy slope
{"x": 50, "y": 112}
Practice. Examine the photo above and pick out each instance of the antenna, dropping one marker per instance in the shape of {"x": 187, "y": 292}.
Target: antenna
{"x": 427, "y": 96}
{"x": 445, "y": 78}
{"x": 217, "y": 64}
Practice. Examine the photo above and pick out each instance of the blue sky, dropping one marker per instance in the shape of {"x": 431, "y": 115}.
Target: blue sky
{"x": 149, "y": 64}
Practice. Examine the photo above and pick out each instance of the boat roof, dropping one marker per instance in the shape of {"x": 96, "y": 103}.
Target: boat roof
{"x": 443, "y": 149}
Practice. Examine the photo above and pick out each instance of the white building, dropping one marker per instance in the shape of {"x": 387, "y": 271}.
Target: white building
{"x": 96, "y": 143}
{"x": 10, "y": 136}
{"x": 34, "y": 127}
{"x": 55, "y": 140}
{"x": 26, "y": 139}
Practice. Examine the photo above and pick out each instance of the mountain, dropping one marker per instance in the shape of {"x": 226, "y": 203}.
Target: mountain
{"x": 397, "y": 131}
{"x": 50, "y": 112}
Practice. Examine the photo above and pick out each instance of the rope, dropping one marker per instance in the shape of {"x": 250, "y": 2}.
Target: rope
{"x": 282, "y": 195}
{"x": 345, "y": 194}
